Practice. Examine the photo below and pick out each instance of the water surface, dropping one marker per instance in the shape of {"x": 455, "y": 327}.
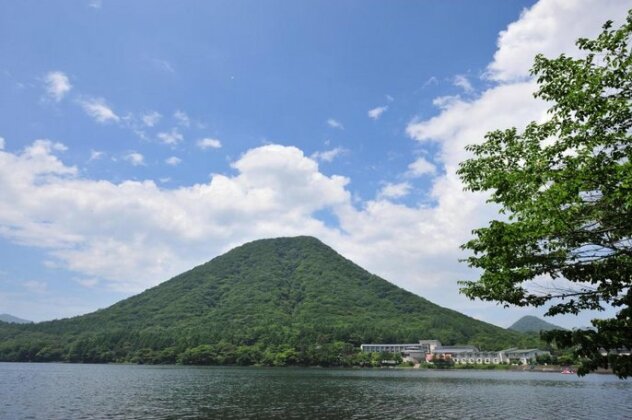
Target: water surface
{"x": 65, "y": 391}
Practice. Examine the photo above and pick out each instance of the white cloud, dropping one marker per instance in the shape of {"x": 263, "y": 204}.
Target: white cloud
{"x": 463, "y": 82}
{"x": 150, "y": 119}
{"x": 377, "y": 112}
{"x": 328, "y": 155}
{"x": 209, "y": 143}
{"x": 421, "y": 167}
{"x": 335, "y": 124}
{"x": 446, "y": 101}
{"x": 394, "y": 190}
{"x": 2, "y": 143}
{"x": 170, "y": 137}
{"x": 95, "y": 4}
{"x": 182, "y": 118}
{"x": 92, "y": 227}
{"x": 96, "y": 155}
{"x": 57, "y": 85}
{"x": 60, "y": 147}
{"x": 135, "y": 159}
{"x": 550, "y": 27}
{"x": 430, "y": 82}
{"x": 173, "y": 161}
{"x": 98, "y": 110}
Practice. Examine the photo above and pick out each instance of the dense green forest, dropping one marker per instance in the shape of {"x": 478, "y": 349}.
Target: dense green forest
{"x": 285, "y": 301}
{"x": 533, "y": 324}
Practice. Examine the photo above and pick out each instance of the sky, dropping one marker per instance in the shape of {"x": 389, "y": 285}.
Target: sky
{"x": 140, "y": 139}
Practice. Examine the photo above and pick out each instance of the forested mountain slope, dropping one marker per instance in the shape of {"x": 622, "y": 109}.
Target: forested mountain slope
{"x": 290, "y": 299}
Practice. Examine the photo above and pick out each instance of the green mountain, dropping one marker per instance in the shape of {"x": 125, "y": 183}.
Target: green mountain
{"x": 13, "y": 319}
{"x": 274, "y": 301}
{"x": 533, "y": 324}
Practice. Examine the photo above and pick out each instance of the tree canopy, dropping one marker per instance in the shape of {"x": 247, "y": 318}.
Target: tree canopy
{"x": 565, "y": 188}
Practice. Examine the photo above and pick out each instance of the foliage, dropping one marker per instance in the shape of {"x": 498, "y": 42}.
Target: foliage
{"x": 278, "y": 302}
{"x": 566, "y": 188}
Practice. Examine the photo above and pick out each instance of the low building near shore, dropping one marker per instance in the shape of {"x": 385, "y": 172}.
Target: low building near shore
{"x": 523, "y": 356}
{"x": 432, "y": 350}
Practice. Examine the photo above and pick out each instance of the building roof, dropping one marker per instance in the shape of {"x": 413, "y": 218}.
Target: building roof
{"x": 516, "y": 350}
{"x": 456, "y": 349}
{"x": 380, "y": 344}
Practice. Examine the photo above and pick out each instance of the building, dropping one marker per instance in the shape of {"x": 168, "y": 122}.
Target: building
{"x": 424, "y": 346}
{"x": 430, "y": 350}
{"x": 390, "y": 348}
{"x": 522, "y": 356}
{"x": 479, "y": 358}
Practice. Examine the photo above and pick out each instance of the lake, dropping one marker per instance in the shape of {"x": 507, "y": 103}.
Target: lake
{"x": 69, "y": 391}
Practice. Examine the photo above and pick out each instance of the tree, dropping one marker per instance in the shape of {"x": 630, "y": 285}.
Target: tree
{"x": 565, "y": 188}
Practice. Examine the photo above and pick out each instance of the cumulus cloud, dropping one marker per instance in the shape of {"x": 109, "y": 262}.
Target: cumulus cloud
{"x": 399, "y": 190}
{"x": 446, "y": 101}
{"x": 182, "y": 118}
{"x": 2, "y": 143}
{"x": 171, "y": 137}
{"x": 173, "y": 161}
{"x": 98, "y": 109}
{"x": 550, "y": 27}
{"x": 57, "y": 85}
{"x": 377, "y": 112}
{"x": 150, "y": 119}
{"x": 335, "y": 124}
{"x": 95, "y": 227}
{"x": 135, "y": 159}
{"x": 432, "y": 80}
{"x": 96, "y": 155}
{"x": 209, "y": 143}
{"x": 462, "y": 82}
{"x": 328, "y": 155}
{"x": 421, "y": 167}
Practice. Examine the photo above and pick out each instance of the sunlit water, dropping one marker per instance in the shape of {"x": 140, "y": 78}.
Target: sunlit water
{"x": 65, "y": 391}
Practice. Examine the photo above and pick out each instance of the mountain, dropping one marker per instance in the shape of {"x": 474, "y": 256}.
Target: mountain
{"x": 13, "y": 319}
{"x": 272, "y": 301}
{"x": 533, "y": 324}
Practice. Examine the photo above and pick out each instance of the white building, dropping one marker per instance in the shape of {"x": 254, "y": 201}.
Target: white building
{"x": 522, "y": 356}
{"x": 431, "y": 349}
{"x": 414, "y": 350}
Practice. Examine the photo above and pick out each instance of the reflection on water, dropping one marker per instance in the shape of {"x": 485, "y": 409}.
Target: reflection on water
{"x": 128, "y": 392}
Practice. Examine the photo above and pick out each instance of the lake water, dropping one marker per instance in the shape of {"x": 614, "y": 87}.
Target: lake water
{"x": 67, "y": 391}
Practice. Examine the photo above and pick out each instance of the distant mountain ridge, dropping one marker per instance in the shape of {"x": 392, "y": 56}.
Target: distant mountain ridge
{"x": 271, "y": 301}
{"x": 531, "y": 323}
{"x": 13, "y": 319}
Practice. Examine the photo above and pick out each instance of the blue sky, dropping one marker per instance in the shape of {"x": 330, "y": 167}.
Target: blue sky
{"x": 142, "y": 138}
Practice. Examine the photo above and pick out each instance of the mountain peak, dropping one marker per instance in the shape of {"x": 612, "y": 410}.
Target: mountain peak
{"x": 292, "y": 293}
{"x": 13, "y": 319}
{"x": 530, "y": 323}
